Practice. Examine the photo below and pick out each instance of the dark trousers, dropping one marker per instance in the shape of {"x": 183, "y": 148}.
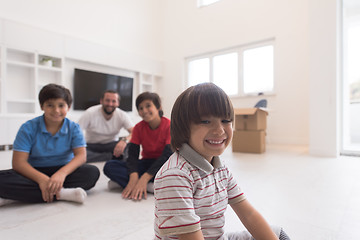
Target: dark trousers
{"x": 17, "y": 187}
{"x": 118, "y": 172}
{"x": 97, "y": 152}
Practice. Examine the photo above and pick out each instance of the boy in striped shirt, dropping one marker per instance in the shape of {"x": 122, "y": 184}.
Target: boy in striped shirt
{"x": 193, "y": 188}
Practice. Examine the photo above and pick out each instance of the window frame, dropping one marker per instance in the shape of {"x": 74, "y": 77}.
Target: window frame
{"x": 240, "y": 51}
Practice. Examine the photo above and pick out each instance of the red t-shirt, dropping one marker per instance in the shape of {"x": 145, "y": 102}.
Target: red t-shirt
{"x": 152, "y": 141}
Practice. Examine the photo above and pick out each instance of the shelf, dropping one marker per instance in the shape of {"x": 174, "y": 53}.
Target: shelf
{"x": 53, "y": 69}
{"x": 21, "y": 100}
{"x": 21, "y": 64}
{"x": 46, "y": 77}
{"x": 147, "y": 88}
{"x": 146, "y": 79}
{"x": 20, "y": 107}
{"x": 20, "y": 56}
{"x": 48, "y": 61}
{"x": 20, "y": 82}
{"x": 146, "y": 82}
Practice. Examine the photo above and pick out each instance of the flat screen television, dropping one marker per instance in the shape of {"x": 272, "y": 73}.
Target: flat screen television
{"x": 89, "y": 86}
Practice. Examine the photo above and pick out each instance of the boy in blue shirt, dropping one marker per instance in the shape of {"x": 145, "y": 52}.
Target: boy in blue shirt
{"x": 49, "y": 156}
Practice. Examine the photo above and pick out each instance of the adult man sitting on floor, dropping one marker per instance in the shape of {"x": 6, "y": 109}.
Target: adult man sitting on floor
{"x": 102, "y": 124}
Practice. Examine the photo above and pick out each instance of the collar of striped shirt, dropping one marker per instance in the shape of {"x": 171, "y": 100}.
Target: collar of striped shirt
{"x": 197, "y": 160}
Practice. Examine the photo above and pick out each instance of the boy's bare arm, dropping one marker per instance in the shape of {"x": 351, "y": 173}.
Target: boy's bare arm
{"x": 20, "y": 164}
{"x": 192, "y": 236}
{"x": 253, "y": 221}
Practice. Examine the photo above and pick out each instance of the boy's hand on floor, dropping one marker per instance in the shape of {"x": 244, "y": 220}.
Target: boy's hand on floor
{"x": 139, "y": 190}
{"x": 127, "y": 192}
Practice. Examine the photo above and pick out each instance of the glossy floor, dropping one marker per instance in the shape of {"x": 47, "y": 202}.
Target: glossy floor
{"x": 311, "y": 197}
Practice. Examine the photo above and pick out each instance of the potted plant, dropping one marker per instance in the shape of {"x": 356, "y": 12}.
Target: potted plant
{"x": 46, "y": 61}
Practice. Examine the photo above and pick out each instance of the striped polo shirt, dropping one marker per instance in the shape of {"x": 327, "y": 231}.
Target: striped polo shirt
{"x": 192, "y": 194}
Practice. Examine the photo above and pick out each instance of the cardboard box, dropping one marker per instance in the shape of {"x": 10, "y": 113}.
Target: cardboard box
{"x": 250, "y": 119}
{"x": 249, "y": 141}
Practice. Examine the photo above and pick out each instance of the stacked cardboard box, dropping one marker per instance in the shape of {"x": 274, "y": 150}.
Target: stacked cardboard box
{"x": 250, "y": 130}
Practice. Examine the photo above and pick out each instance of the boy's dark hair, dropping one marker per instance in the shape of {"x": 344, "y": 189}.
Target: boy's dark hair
{"x": 202, "y": 100}
{"x": 110, "y": 91}
{"x": 53, "y": 91}
{"x": 154, "y": 97}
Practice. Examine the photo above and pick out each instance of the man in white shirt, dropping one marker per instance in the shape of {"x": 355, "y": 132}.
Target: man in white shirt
{"x": 102, "y": 124}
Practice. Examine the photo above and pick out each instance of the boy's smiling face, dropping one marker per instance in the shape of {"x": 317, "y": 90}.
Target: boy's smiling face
{"x": 55, "y": 110}
{"x": 210, "y": 137}
{"x": 148, "y": 111}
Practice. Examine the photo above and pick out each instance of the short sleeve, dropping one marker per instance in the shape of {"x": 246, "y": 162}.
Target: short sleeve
{"x": 127, "y": 122}
{"x": 175, "y": 213}
{"x": 23, "y": 140}
{"x": 83, "y": 121}
{"x": 234, "y": 192}
{"x": 136, "y": 134}
{"x": 78, "y": 139}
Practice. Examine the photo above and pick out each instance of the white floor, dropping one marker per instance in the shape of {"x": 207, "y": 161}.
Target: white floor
{"x": 311, "y": 197}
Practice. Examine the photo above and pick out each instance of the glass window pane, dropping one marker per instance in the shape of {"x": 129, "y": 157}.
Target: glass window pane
{"x": 225, "y": 72}
{"x": 258, "y": 69}
{"x": 198, "y": 71}
{"x": 353, "y": 59}
{"x": 351, "y": 79}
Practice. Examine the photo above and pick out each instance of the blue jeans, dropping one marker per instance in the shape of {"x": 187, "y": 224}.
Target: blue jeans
{"x": 118, "y": 172}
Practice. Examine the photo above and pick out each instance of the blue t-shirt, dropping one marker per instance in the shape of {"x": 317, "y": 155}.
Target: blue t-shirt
{"x": 44, "y": 149}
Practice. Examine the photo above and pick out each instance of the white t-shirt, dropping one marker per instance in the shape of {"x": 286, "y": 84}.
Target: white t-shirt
{"x": 98, "y": 129}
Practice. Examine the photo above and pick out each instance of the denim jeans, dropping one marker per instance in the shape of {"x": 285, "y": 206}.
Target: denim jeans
{"x": 117, "y": 170}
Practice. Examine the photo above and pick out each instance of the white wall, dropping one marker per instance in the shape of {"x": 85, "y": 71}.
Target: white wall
{"x": 190, "y": 31}
{"x": 130, "y": 26}
{"x": 324, "y": 77}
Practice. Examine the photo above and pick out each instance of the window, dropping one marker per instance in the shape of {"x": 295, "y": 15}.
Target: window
{"x": 198, "y": 71}
{"x": 244, "y": 70}
{"x": 258, "y": 69}
{"x": 350, "y": 129}
{"x": 226, "y": 67}
{"x": 203, "y": 3}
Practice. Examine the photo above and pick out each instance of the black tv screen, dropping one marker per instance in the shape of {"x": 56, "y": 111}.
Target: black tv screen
{"x": 89, "y": 87}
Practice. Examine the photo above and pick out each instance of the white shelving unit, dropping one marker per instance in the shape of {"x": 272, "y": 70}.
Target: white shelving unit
{"x": 23, "y": 74}
{"x": 147, "y": 82}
